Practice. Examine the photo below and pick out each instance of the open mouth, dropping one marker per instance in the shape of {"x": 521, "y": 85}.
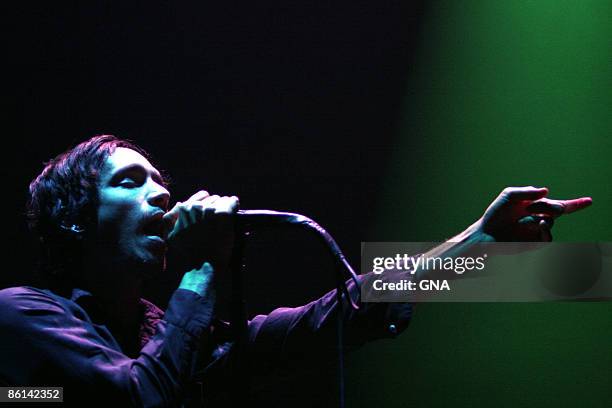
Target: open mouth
{"x": 155, "y": 229}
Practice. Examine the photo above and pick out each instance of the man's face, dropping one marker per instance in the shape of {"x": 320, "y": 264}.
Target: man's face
{"x": 132, "y": 201}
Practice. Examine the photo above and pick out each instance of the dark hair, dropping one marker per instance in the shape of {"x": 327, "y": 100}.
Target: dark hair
{"x": 63, "y": 203}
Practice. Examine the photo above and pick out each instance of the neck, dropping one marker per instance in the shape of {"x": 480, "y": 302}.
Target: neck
{"x": 118, "y": 291}
{"x": 121, "y": 300}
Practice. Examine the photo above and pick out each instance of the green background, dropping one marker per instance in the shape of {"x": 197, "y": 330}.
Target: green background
{"x": 502, "y": 93}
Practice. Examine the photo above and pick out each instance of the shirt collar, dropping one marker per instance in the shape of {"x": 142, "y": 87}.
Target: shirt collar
{"x": 78, "y": 294}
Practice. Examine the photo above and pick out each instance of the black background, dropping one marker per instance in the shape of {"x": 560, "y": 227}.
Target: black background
{"x": 289, "y": 105}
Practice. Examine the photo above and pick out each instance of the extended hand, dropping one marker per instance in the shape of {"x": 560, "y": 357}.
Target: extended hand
{"x": 524, "y": 214}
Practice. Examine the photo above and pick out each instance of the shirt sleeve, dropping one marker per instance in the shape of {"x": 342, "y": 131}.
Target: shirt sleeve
{"x": 46, "y": 341}
{"x": 291, "y": 344}
{"x": 310, "y": 330}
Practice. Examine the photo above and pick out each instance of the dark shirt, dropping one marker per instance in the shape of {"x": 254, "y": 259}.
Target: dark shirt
{"x": 50, "y": 340}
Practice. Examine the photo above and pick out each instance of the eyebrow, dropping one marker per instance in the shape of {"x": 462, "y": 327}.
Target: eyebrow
{"x": 155, "y": 174}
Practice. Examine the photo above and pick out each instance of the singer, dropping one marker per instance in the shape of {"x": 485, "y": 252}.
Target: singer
{"x": 101, "y": 213}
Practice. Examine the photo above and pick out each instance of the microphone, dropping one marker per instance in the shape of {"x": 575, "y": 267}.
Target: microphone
{"x": 250, "y": 219}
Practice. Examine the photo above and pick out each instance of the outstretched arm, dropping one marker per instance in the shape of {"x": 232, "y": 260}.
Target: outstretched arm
{"x": 288, "y": 337}
{"x": 517, "y": 214}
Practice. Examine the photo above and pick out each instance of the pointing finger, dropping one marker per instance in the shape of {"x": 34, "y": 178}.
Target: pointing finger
{"x": 558, "y": 207}
{"x": 545, "y": 206}
{"x": 576, "y": 204}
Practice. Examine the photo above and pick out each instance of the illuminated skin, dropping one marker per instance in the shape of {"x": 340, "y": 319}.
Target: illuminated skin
{"x": 131, "y": 194}
{"x": 133, "y": 224}
{"x": 524, "y": 214}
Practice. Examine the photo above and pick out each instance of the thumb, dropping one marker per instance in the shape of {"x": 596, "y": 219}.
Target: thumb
{"x": 172, "y": 215}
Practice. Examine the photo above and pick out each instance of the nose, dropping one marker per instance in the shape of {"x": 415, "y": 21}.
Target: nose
{"x": 159, "y": 197}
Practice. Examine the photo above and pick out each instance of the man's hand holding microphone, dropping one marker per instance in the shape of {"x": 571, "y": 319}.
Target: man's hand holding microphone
{"x": 202, "y": 237}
